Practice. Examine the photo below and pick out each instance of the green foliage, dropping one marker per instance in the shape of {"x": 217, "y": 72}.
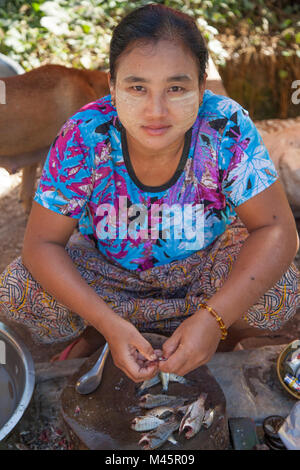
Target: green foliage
{"x": 78, "y": 32}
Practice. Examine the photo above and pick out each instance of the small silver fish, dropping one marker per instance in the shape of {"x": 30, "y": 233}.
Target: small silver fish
{"x": 148, "y": 384}
{"x": 208, "y": 418}
{"x": 145, "y": 423}
{"x": 178, "y": 378}
{"x": 152, "y": 401}
{"x": 193, "y": 418}
{"x": 160, "y": 411}
{"x": 165, "y": 377}
{"x": 162, "y": 377}
{"x": 160, "y": 435}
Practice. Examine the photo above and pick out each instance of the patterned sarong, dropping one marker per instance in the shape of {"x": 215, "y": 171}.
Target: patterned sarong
{"x": 155, "y": 300}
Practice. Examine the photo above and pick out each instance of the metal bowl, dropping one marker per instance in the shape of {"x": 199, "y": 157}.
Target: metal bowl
{"x": 17, "y": 380}
{"x": 281, "y": 372}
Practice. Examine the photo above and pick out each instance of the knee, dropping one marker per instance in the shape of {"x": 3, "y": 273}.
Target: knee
{"x": 13, "y": 283}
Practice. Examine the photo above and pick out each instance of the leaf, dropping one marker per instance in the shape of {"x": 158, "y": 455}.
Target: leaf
{"x": 86, "y": 28}
{"x": 283, "y": 73}
{"x": 35, "y": 6}
{"x": 287, "y": 53}
{"x": 285, "y": 23}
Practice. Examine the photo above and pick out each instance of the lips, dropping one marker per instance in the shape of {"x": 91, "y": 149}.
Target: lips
{"x": 157, "y": 129}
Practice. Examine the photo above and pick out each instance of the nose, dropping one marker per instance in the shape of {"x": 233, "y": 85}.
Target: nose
{"x": 156, "y": 106}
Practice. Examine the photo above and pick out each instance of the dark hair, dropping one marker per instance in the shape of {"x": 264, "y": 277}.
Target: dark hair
{"x": 152, "y": 23}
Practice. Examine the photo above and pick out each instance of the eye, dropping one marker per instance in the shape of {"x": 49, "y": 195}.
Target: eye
{"x": 176, "y": 89}
{"x": 138, "y": 88}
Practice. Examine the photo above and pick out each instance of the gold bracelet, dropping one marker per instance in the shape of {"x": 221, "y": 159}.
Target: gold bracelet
{"x": 217, "y": 317}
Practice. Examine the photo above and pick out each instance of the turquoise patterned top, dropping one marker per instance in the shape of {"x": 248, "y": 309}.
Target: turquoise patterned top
{"x": 88, "y": 176}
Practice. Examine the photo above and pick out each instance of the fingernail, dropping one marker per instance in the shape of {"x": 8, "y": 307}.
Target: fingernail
{"x": 153, "y": 357}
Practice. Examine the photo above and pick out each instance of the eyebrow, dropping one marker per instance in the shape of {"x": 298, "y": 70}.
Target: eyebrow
{"x": 175, "y": 78}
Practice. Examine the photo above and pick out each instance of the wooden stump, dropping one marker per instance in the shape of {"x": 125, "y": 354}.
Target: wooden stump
{"x": 101, "y": 420}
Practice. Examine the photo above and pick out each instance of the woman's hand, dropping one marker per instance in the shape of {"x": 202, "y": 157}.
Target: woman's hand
{"x": 192, "y": 344}
{"x": 130, "y": 351}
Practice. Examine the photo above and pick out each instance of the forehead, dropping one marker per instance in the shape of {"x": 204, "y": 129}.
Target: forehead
{"x": 164, "y": 58}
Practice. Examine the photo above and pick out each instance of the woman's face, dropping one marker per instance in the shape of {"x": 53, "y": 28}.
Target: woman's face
{"x": 157, "y": 93}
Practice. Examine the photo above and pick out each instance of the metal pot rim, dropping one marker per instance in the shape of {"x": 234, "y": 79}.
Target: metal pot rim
{"x": 28, "y": 364}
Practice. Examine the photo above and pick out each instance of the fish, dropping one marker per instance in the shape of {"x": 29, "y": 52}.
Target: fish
{"x": 208, "y": 418}
{"x": 160, "y": 411}
{"x": 160, "y": 435}
{"x": 164, "y": 378}
{"x": 193, "y": 419}
{"x": 145, "y": 423}
{"x": 148, "y": 384}
{"x": 153, "y": 401}
{"x": 180, "y": 379}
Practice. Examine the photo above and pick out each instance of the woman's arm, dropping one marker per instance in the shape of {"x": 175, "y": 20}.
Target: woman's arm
{"x": 264, "y": 257}
{"x": 44, "y": 255}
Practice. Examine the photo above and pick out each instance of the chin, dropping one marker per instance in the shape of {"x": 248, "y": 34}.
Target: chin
{"x": 158, "y": 142}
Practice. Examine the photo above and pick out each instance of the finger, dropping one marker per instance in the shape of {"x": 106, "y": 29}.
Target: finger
{"x": 136, "y": 369}
{"x": 140, "y": 357}
{"x": 144, "y": 348}
{"x": 158, "y": 353}
{"x": 170, "y": 345}
{"x": 145, "y": 364}
{"x": 140, "y": 373}
{"x": 175, "y": 362}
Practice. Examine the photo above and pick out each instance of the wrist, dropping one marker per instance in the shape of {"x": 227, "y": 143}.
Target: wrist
{"x": 213, "y": 317}
{"x": 208, "y": 323}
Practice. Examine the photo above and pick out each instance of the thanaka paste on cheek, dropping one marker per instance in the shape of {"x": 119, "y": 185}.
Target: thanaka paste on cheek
{"x": 190, "y": 97}
{"x": 189, "y": 104}
{"x": 129, "y": 103}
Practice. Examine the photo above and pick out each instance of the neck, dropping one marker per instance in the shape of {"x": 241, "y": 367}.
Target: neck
{"x": 149, "y": 155}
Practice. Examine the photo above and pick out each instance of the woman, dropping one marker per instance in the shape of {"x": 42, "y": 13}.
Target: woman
{"x": 160, "y": 148}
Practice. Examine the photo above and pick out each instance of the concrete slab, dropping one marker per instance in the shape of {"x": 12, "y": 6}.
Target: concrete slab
{"x": 249, "y": 381}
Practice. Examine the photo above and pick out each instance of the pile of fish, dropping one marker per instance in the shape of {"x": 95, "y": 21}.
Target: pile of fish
{"x": 292, "y": 367}
{"x": 166, "y": 414}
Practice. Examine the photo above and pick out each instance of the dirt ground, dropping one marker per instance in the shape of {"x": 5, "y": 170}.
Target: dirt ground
{"x": 12, "y": 228}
